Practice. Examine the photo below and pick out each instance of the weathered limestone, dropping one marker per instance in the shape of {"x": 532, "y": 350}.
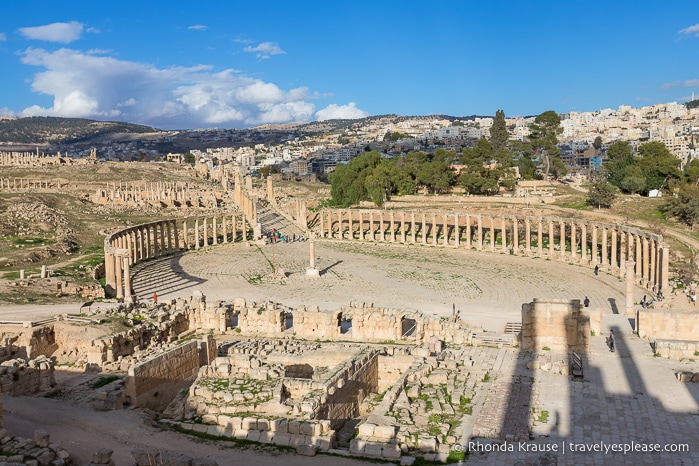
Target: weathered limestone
{"x": 559, "y": 325}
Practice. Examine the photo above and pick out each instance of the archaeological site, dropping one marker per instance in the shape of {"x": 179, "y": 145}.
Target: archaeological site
{"x": 235, "y": 320}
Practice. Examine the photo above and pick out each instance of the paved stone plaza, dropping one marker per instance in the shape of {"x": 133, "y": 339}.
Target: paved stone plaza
{"x": 626, "y": 396}
{"x": 489, "y": 289}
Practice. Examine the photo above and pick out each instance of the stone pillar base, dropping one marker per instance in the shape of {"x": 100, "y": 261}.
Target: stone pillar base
{"x": 312, "y": 272}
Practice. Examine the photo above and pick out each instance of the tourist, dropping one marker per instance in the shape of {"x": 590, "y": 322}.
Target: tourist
{"x": 694, "y": 298}
{"x": 155, "y": 298}
{"x": 644, "y": 302}
{"x": 611, "y": 341}
{"x": 596, "y": 270}
{"x": 586, "y": 302}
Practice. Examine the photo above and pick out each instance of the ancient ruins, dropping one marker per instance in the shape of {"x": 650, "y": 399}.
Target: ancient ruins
{"x": 356, "y": 381}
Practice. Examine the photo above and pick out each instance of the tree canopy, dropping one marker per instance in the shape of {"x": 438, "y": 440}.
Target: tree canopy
{"x": 654, "y": 168}
{"x": 498, "y": 132}
{"x": 543, "y": 135}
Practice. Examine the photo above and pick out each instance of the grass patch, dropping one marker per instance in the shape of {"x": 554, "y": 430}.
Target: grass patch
{"x": 486, "y": 377}
{"x": 105, "y": 380}
{"x": 543, "y": 417}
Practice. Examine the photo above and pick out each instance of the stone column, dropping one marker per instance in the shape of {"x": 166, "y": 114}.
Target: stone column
{"x": 515, "y": 235}
{"x": 234, "y": 226}
{"x": 653, "y": 263}
{"x": 479, "y": 245}
{"x": 503, "y": 233}
{"x": 434, "y": 229}
{"x": 393, "y": 228}
{"x": 614, "y": 257}
{"x": 492, "y": 233}
{"x": 622, "y": 253}
{"x": 371, "y": 225}
{"x": 382, "y": 228}
{"x": 196, "y": 234}
{"x": 224, "y": 228}
{"x": 583, "y": 243}
{"x": 664, "y": 267}
{"x": 169, "y": 237}
{"x": 349, "y": 225}
{"x": 312, "y": 271}
{"x": 127, "y": 279}
{"x": 177, "y": 235}
{"x": 155, "y": 252}
{"x": 445, "y": 228}
{"x": 163, "y": 240}
{"x": 551, "y": 238}
{"x": 639, "y": 256}
{"x": 593, "y": 248}
{"x": 573, "y": 241}
{"x": 424, "y": 229}
{"x": 402, "y": 227}
{"x": 119, "y": 278}
{"x": 457, "y": 230}
{"x": 468, "y": 232}
{"x": 644, "y": 271}
{"x": 140, "y": 244}
{"x": 605, "y": 252}
{"x": 630, "y": 264}
{"x": 214, "y": 233}
{"x": 562, "y": 238}
{"x": 206, "y": 232}
{"x": 540, "y": 238}
{"x": 528, "y": 233}
{"x": 340, "y": 229}
{"x": 185, "y": 235}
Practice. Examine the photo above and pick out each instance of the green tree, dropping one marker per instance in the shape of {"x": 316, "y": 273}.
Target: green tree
{"x": 659, "y": 166}
{"x": 348, "y": 181}
{"x": 597, "y": 143}
{"x": 691, "y": 171}
{"x": 498, "y": 132}
{"x": 633, "y": 181}
{"x": 378, "y": 184}
{"x": 601, "y": 194}
{"x": 543, "y": 135}
{"x": 619, "y": 158}
{"x": 684, "y": 207}
{"x": 190, "y": 158}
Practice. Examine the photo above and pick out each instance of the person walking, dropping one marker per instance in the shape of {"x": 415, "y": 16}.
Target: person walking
{"x": 155, "y": 298}
{"x": 611, "y": 341}
{"x": 596, "y": 270}
{"x": 586, "y": 302}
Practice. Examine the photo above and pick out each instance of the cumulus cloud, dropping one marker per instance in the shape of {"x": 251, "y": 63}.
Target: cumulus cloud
{"x": 340, "y": 112}
{"x": 198, "y": 27}
{"x": 685, "y": 83}
{"x": 690, "y": 31}
{"x": 89, "y": 85}
{"x": 54, "y": 32}
{"x": 265, "y": 50}
{"x": 6, "y": 112}
{"x": 3, "y": 36}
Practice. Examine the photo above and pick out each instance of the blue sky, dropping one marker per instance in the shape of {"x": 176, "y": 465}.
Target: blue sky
{"x": 232, "y": 64}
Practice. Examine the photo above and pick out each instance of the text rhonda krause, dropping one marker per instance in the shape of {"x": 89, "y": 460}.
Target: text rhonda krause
{"x": 574, "y": 447}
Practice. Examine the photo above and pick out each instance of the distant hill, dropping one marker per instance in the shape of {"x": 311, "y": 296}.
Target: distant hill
{"x": 55, "y": 130}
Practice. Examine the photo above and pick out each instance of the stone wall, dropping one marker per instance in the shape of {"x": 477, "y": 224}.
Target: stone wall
{"x": 154, "y": 383}
{"x": 19, "y": 377}
{"x": 665, "y": 324}
{"x": 556, "y": 324}
{"x": 40, "y": 341}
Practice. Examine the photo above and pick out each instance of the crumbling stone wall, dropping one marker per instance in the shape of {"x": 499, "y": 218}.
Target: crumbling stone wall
{"x": 557, "y": 324}
{"x": 154, "y": 383}
{"x": 40, "y": 341}
{"x": 19, "y": 377}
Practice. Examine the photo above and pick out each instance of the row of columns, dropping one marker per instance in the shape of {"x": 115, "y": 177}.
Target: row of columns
{"x": 21, "y": 183}
{"x": 151, "y": 240}
{"x": 588, "y": 243}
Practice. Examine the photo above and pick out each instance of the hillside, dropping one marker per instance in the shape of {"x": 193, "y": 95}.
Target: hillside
{"x": 55, "y": 130}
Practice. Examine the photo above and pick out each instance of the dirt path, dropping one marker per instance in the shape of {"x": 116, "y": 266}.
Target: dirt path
{"x": 81, "y": 431}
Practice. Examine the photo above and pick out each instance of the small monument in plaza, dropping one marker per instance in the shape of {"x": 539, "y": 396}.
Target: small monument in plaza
{"x": 312, "y": 270}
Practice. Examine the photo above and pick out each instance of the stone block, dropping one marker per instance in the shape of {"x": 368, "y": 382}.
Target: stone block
{"x": 307, "y": 450}
{"x": 262, "y": 424}
{"x": 385, "y": 432}
{"x": 144, "y": 457}
{"x": 357, "y": 446}
{"x": 249, "y": 423}
{"x": 253, "y": 435}
{"x": 280, "y": 426}
{"x": 373, "y": 450}
{"x": 266, "y": 436}
{"x": 281, "y": 439}
{"x": 42, "y": 438}
{"x": 174, "y": 459}
{"x": 306, "y": 428}
{"x": 427, "y": 444}
{"x": 209, "y": 419}
{"x": 391, "y": 451}
{"x": 294, "y": 427}
{"x": 240, "y": 434}
{"x": 297, "y": 440}
{"x": 102, "y": 456}
{"x": 366, "y": 430}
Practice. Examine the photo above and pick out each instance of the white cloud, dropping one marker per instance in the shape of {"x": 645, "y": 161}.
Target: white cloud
{"x": 198, "y": 27}
{"x": 690, "y": 31}
{"x": 265, "y": 50}
{"x": 341, "y": 112}
{"x": 4, "y": 111}
{"x": 88, "y": 85}
{"x": 3, "y": 36}
{"x": 685, "y": 83}
{"x": 55, "y": 32}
